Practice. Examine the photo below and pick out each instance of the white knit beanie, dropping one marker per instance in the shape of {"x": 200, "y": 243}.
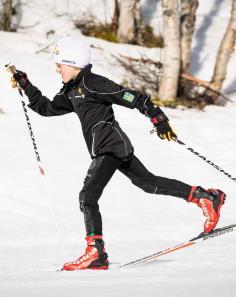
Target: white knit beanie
{"x": 73, "y": 51}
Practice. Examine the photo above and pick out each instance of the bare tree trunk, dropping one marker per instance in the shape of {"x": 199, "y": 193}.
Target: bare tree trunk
{"x": 188, "y": 17}
{"x": 115, "y": 19}
{"x": 130, "y": 21}
{"x": 224, "y": 52}
{"x": 5, "y": 23}
{"x": 171, "y": 31}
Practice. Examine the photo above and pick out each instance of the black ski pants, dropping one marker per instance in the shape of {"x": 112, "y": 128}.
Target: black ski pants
{"x": 100, "y": 172}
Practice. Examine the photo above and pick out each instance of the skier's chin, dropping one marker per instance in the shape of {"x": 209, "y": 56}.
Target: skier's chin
{"x": 65, "y": 80}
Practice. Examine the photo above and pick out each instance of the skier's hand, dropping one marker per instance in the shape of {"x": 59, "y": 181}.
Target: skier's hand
{"x": 164, "y": 130}
{"x": 21, "y": 78}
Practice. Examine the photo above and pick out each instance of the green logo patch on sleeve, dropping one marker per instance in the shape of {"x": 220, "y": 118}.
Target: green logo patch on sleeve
{"x": 128, "y": 97}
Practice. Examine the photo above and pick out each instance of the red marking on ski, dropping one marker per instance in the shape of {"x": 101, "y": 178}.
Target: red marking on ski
{"x": 201, "y": 237}
{"x": 170, "y": 250}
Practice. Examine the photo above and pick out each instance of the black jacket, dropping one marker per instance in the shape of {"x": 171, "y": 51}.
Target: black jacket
{"x": 91, "y": 97}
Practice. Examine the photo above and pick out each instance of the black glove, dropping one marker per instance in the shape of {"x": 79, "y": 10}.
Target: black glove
{"x": 163, "y": 129}
{"x": 21, "y": 78}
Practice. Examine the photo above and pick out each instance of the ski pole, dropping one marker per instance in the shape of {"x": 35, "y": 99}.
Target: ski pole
{"x": 12, "y": 69}
{"x": 206, "y": 160}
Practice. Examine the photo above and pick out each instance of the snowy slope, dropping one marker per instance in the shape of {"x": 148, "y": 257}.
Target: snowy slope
{"x": 34, "y": 244}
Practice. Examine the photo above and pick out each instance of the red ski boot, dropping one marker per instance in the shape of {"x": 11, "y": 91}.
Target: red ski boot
{"x": 210, "y": 201}
{"x": 95, "y": 256}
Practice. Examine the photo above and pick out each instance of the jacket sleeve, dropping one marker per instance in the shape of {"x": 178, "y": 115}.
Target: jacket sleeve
{"x": 60, "y": 104}
{"x": 108, "y": 91}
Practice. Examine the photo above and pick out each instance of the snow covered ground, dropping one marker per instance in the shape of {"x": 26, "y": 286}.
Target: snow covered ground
{"x": 41, "y": 226}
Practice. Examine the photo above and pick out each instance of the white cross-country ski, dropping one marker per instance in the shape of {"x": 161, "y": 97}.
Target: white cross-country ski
{"x": 201, "y": 237}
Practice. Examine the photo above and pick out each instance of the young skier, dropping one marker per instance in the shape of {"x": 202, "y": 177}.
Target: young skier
{"x": 91, "y": 97}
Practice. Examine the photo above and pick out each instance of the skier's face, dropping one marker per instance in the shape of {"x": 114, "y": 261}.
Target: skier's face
{"x": 67, "y": 72}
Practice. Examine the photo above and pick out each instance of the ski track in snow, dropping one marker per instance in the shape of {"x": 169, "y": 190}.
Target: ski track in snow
{"x": 136, "y": 224}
